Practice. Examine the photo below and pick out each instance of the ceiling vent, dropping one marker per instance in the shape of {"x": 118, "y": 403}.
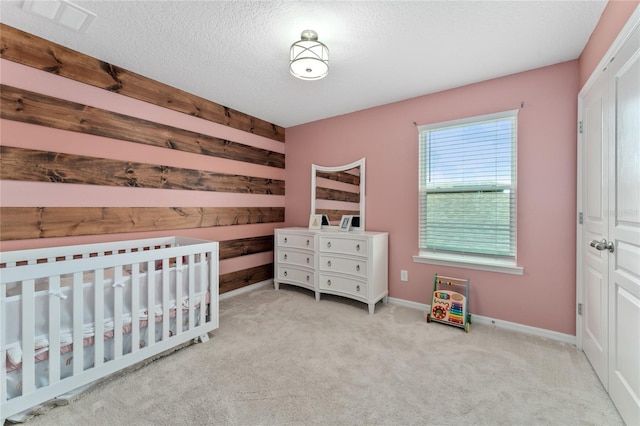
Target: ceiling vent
{"x": 62, "y": 12}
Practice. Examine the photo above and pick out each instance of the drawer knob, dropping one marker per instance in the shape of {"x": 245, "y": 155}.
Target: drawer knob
{"x": 285, "y": 257}
{"x": 329, "y": 264}
{"x": 285, "y": 240}
{"x": 329, "y": 283}
{"x": 307, "y": 260}
{"x": 307, "y": 242}
{"x": 329, "y": 244}
{"x": 307, "y": 278}
{"x": 358, "y": 247}
{"x": 285, "y": 273}
{"x": 358, "y": 268}
{"x": 357, "y": 288}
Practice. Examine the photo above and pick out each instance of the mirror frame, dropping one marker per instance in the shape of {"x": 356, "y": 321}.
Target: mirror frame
{"x": 359, "y": 163}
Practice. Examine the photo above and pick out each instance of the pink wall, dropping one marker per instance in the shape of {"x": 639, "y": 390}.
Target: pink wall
{"x": 613, "y": 18}
{"x": 545, "y": 295}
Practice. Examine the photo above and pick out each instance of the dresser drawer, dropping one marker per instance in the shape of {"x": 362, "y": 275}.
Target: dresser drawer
{"x": 342, "y": 265}
{"x": 296, "y": 241}
{"x": 296, "y": 258}
{"x": 341, "y": 284}
{"x": 356, "y": 247}
{"x": 302, "y": 276}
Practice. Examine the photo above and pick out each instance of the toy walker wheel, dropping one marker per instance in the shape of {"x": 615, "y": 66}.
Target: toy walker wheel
{"x": 428, "y": 317}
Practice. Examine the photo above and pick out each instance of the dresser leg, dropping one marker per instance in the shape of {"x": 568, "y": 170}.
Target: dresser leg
{"x": 317, "y": 296}
{"x": 385, "y": 299}
{"x": 372, "y": 308}
{"x": 276, "y": 285}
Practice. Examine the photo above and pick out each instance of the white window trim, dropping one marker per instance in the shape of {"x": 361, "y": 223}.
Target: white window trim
{"x": 468, "y": 261}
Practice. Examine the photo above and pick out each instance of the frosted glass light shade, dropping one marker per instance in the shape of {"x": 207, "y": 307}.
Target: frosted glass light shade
{"x": 309, "y": 57}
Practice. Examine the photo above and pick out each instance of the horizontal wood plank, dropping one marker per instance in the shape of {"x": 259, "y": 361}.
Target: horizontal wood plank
{"x": 336, "y": 195}
{"x": 344, "y": 177}
{"x": 18, "y": 223}
{"x": 336, "y": 215}
{"x": 34, "y": 108}
{"x": 245, "y": 246}
{"x": 27, "y": 49}
{"x": 42, "y": 166}
{"x": 245, "y": 277}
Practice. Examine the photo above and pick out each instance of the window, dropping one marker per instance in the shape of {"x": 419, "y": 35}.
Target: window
{"x": 468, "y": 192}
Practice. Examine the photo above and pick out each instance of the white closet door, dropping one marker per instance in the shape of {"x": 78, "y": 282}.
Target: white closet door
{"x": 595, "y": 264}
{"x": 624, "y": 231}
{"x": 609, "y": 251}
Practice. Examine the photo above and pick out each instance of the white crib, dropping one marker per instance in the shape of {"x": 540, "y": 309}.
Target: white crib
{"x": 120, "y": 302}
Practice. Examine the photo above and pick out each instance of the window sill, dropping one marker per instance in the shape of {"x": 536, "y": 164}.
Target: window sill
{"x": 470, "y": 262}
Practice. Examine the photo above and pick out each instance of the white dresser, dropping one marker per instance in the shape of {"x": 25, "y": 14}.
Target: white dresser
{"x": 350, "y": 264}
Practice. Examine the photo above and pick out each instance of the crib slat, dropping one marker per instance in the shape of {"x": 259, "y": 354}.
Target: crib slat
{"x": 192, "y": 288}
{"x": 78, "y": 322}
{"x": 98, "y": 319}
{"x": 179, "y": 295}
{"x": 54, "y": 329}
{"x": 151, "y": 303}
{"x": 28, "y": 336}
{"x": 118, "y": 300}
{"x": 135, "y": 307}
{"x": 204, "y": 285}
{"x": 166, "y": 313}
{"x": 3, "y": 354}
{"x": 215, "y": 285}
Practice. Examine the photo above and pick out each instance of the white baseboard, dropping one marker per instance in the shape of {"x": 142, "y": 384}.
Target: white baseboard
{"x": 475, "y": 319}
{"x": 246, "y": 289}
{"x": 409, "y": 304}
{"x": 479, "y": 319}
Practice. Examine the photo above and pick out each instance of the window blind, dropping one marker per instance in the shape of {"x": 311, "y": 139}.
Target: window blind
{"x": 468, "y": 186}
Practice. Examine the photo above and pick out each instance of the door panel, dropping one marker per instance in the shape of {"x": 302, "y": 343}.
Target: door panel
{"x": 595, "y": 329}
{"x": 624, "y": 379}
{"x": 593, "y": 133}
{"x": 624, "y": 231}
{"x": 627, "y": 168}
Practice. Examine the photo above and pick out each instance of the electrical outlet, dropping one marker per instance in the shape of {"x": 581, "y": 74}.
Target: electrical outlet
{"x": 404, "y": 275}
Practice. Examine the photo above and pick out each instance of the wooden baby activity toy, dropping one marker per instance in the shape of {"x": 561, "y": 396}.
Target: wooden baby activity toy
{"x": 448, "y": 306}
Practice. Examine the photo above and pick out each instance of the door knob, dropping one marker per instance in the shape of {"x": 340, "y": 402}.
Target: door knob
{"x": 602, "y": 245}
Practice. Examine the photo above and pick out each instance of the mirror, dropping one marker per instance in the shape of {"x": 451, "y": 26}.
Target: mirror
{"x": 338, "y": 191}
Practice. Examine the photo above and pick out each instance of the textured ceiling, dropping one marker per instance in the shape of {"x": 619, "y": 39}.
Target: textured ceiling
{"x": 236, "y": 53}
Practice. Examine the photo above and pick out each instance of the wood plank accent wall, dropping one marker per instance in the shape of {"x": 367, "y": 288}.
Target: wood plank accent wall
{"x": 27, "y": 49}
{"x": 34, "y": 108}
{"x": 19, "y": 163}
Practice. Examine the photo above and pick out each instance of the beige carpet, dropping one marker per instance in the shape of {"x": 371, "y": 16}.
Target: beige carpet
{"x": 281, "y": 358}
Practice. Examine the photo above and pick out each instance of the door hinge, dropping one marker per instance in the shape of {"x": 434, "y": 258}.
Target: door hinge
{"x": 580, "y": 218}
{"x": 580, "y": 126}
{"x": 579, "y": 308}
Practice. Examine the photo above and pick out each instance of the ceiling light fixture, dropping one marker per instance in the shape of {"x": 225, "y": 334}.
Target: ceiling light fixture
{"x": 309, "y": 57}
